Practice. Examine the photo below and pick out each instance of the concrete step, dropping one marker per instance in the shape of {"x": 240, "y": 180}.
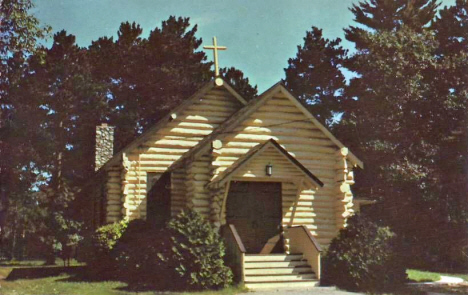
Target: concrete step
{"x": 279, "y": 271}
{"x": 275, "y": 264}
{"x": 272, "y": 257}
{"x": 283, "y": 284}
{"x": 279, "y": 278}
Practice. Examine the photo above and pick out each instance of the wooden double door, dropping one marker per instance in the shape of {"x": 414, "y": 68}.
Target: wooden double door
{"x": 255, "y": 209}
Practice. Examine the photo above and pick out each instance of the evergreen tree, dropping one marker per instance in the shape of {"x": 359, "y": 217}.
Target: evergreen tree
{"x": 148, "y": 77}
{"x": 389, "y": 15}
{"x": 19, "y": 33}
{"x": 314, "y": 75}
{"x": 67, "y": 102}
{"x": 450, "y": 26}
{"x": 406, "y": 118}
{"x": 240, "y": 83}
{"x": 452, "y": 163}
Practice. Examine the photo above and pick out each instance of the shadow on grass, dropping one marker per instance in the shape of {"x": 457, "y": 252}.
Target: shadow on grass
{"x": 159, "y": 290}
{"x": 21, "y": 263}
{"x": 36, "y": 272}
{"x": 141, "y": 288}
{"x": 38, "y": 263}
{"x": 85, "y": 277}
{"x": 130, "y": 288}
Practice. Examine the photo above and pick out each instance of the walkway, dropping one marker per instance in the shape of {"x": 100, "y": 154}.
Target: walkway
{"x": 445, "y": 280}
{"x": 314, "y": 291}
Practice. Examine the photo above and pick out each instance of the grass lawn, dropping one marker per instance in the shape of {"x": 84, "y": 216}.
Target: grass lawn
{"x": 20, "y": 263}
{"x": 64, "y": 284}
{"x": 422, "y": 276}
{"x": 426, "y": 276}
{"x": 69, "y": 285}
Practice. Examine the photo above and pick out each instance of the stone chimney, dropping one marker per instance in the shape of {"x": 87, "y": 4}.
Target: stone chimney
{"x": 104, "y": 144}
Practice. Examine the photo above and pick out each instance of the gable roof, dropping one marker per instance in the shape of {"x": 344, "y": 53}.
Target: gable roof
{"x": 254, "y": 152}
{"x": 166, "y": 119}
{"x": 246, "y": 111}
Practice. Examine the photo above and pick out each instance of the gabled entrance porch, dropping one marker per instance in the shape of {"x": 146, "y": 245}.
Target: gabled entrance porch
{"x": 263, "y": 247}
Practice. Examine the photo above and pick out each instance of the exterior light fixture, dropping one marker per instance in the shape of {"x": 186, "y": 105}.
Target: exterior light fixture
{"x": 269, "y": 170}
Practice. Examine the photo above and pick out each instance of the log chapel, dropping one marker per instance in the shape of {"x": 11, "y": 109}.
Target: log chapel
{"x": 266, "y": 172}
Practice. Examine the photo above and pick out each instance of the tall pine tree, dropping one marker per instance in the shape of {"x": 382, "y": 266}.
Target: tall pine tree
{"x": 65, "y": 101}
{"x": 240, "y": 83}
{"x": 390, "y": 16}
{"x": 148, "y": 77}
{"x": 314, "y": 75}
{"x": 403, "y": 117}
{"x": 19, "y": 33}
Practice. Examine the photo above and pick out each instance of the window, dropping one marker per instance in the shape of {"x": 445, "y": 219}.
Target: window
{"x": 151, "y": 178}
{"x": 158, "y": 202}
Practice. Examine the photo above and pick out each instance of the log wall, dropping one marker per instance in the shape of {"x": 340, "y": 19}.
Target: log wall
{"x": 128, "y": 187}
{"x": 198, "y": 196}
{"x": 178, "y": 190}
{"x": 324, "y": 210}
{"x": 114, "y": 194}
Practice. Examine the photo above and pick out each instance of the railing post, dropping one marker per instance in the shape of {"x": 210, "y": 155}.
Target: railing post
{"x": 302, "y": 241}
{"x": 235, "y": 251}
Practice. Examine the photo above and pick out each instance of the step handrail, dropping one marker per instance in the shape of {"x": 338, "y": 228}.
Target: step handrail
{"x": 237, "y": 238}
{"x": 310, "y": 236}
{"x": 235, "y": 251}
{"x": 302, "y": 241}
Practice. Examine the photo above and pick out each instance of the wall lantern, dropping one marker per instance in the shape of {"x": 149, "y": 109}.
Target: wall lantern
{"x": 269, "y": 169}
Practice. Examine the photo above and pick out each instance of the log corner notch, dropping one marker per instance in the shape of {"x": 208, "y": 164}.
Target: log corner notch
{"x": 219, "y": 82}
{"x": 344, "y": 178}
{"x": 217, "y": 144}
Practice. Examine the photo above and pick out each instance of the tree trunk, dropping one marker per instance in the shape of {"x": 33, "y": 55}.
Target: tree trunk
{"x": 13, "y": 242}
{"x": 5, "y": 180}
{"x": 57, "y": 187}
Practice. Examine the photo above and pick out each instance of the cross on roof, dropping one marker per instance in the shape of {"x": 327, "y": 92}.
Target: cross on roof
{"x": 215, "y": 49}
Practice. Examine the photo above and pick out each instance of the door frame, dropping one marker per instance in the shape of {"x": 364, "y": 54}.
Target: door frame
{"x": 298, "y": 181}
{"x": 253, "y": 180}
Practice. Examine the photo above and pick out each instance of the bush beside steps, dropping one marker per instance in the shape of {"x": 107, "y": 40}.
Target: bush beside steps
{"x": 363, "y": 257}
{"x": 185, "y": 254}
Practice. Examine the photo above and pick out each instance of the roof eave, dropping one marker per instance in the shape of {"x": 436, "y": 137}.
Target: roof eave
{"x": 161, "y": 123}
{"x": 356, "y": 161}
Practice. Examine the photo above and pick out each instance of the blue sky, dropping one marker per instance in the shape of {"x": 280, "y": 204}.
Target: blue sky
{"x": 261, "y": 35}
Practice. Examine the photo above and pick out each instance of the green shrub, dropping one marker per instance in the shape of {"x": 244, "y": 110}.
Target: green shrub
{"x": 197, "y": 252}
{"x": 138, "y": 255}
{"x": 186, "y": 254}
{"x": 98, "y": 249}
{"x": 363, "y": 258}
{"x": 107, "y": 236}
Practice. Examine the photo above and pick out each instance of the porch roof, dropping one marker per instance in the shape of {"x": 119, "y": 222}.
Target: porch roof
{"x": 254, "y": 152}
